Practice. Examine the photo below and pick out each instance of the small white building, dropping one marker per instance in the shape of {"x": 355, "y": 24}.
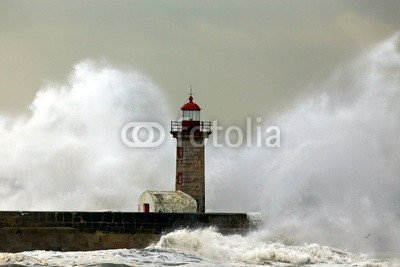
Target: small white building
{"x": 167, "y": 201}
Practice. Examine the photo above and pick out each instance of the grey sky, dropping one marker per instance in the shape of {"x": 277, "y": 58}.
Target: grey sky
{"x": 254, "y": 57}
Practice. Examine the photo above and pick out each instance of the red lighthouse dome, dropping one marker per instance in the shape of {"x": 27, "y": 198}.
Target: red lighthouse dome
{"x": 191, "y": 105}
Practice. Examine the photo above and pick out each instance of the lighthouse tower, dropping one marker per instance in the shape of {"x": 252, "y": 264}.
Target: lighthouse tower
{"x": 190, "y": 133}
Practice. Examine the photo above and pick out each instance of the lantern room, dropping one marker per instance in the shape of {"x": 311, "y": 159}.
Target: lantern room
{"x": 190, "y": 111}
{"x": 190, "y": 120}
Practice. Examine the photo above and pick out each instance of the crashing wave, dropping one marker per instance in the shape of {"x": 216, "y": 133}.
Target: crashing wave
{"x": 252, "y": 249}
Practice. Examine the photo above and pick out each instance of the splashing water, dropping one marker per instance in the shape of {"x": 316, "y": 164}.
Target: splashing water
{"x": 334, "y": 179}
{"x": 254, "y": 250}
{"x": 68, "y": 154}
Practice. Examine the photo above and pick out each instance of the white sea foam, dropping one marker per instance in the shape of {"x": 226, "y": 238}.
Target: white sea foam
{"x": 256, "y": 250}
{"x": 119, "y": 257}
{"x": 203, "y": 247}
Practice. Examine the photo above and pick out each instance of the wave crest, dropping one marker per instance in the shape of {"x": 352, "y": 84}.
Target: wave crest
{"x": 254, "y": 249}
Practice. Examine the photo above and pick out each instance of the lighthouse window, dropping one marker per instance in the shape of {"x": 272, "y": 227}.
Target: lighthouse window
{"x": 195, "y": 115}
{"x": 191, "y": 115}
{"x": 179, "y": 178}
{"x": 180, "y": 152}
{"x": 186, "y": 115}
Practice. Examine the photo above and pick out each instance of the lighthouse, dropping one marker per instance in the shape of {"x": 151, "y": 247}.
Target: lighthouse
{"x": 191, "y": 133}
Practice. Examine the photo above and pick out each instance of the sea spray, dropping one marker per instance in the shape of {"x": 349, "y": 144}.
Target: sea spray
{"x": 335, "y": 178}
{"x": 255, "y": 250}
{"x": 67, "y": 154}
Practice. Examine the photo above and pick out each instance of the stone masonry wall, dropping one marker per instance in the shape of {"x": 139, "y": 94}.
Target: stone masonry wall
{"x": 82, "y": 231}
{"x": 191, "y": 166}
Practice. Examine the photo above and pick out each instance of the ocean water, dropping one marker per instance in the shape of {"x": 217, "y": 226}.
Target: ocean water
{"x": 202, "y": 247}
{"x": 333, "y": 181}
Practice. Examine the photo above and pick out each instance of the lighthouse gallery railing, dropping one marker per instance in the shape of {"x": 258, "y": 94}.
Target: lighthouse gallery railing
{"x": 204, "y": 126}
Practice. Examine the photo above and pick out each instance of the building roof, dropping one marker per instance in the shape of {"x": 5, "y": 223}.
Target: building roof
{"x": 172, "y": 197}
{"x": 190, "y": 105}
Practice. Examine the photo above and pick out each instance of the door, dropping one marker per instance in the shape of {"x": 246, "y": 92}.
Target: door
{"x": 146, "y": 208}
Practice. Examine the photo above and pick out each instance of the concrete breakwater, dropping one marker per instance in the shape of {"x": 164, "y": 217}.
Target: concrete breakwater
{"x": 83, "y": 231}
